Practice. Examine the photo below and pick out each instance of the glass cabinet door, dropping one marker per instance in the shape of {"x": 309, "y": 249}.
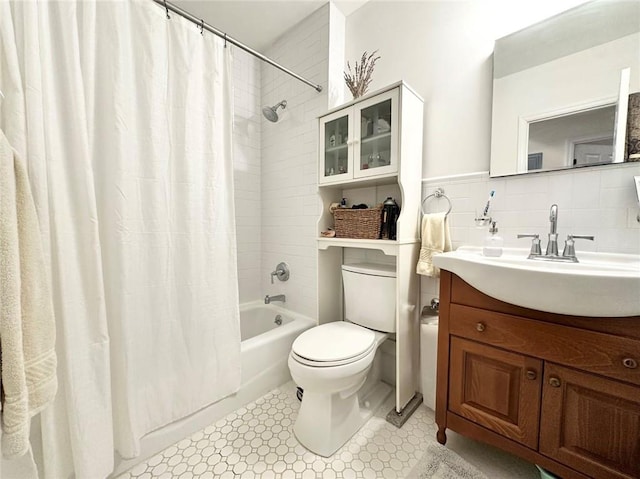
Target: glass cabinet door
{"x": 336, "y": 153}
{"x": 377, "y": 124}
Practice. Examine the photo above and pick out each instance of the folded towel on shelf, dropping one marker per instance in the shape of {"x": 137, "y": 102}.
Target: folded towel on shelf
{"x": 27, "y": 328}
{"x": 435, "y": 239}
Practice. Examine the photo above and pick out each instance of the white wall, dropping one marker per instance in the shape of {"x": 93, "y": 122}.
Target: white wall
{"x": 443, "y": 49}
{"x": 246, "y": 163}
{"x": 290, "y": 204}
{"x": 275, "y": 164}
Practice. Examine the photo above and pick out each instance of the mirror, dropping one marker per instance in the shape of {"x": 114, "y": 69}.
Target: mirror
{"x": 576, "y": 139}
{"x": 561, "y": 89}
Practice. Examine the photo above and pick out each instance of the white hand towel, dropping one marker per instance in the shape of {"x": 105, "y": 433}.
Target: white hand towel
{"x": 27, "y": 328}
{"x": 435, "y": 239}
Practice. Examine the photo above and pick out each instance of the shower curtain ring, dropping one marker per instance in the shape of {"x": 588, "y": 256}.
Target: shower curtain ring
{"x": 202, "y": 27}
{"x": 167, "y": 10}
{"x": 225, "y": 40}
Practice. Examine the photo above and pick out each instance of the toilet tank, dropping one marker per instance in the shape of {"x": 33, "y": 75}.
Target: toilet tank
{"x": 370, "y": 295}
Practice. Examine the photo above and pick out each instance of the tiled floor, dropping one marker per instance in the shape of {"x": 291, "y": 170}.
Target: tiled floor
{"x": 257, "y": 442}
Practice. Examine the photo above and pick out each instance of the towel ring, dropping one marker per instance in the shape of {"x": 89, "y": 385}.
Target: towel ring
{"x": 439, "y": 193}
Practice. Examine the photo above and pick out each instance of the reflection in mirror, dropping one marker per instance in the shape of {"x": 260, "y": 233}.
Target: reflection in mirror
{"x": 577, "y": 139}
{"x": 562, "y": 87}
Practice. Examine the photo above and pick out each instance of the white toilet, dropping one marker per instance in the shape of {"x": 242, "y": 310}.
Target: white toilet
{"x": 336, "y": 363}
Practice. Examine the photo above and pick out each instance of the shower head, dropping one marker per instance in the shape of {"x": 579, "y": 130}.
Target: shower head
{"x": 271, "y": 113}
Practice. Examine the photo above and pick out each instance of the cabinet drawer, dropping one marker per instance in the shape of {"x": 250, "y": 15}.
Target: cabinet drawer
{"x": 612, "y": 356}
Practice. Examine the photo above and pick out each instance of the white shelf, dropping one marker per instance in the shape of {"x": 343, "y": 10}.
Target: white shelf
{"x": 379, "y": 136}
{"x": 388, "y": 247}
{"x": 330, "y": 149}
{"x": 385, "y": 179}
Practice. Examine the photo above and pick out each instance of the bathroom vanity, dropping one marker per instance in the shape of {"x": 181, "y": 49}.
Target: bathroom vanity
{"x": 557, "y": 390}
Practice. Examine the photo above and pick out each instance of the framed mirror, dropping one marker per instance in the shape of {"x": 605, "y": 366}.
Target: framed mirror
{"x": 561, "y": 89}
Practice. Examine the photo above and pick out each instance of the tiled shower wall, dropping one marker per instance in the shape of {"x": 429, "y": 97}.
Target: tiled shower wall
{"x": 277, "y": 206}
{"x": 290, "y": 204}
{"x": 597, "y": 201}
{"x": 246, "y": 162}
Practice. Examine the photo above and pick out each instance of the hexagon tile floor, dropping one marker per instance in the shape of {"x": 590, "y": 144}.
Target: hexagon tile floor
{"x": 257, "y": 441}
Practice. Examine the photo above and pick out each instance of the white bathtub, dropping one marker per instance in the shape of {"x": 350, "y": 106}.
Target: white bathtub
{"x": 264, "y": 350}
{"x": 265, "y": 345}
{"x": 257, "y": 319}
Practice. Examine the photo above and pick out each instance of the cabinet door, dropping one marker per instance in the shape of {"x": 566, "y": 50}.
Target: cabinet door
{"x": 376, "y": 133}
{"x": 336, "y": 152}
{"x": 591, "y": 423}
{"x": 497, "y": 389}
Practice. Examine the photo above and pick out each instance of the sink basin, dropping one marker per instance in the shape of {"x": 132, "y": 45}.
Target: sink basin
{"x": 600, "y": 285}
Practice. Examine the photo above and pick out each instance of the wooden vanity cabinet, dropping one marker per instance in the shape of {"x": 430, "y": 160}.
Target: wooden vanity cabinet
{"x": 489, "y": 386}
{"x": 560, "y": 391}
{"x": 590, "y": 423}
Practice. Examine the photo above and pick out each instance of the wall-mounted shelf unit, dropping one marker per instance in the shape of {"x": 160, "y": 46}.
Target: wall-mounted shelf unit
{"x": 371, "y": 148}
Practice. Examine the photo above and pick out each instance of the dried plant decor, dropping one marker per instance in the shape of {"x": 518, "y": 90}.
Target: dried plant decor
{"x": 358, "y": 81}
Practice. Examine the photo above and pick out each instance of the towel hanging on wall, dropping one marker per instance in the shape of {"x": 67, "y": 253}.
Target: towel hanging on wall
{"x": 27, "y": 328}
{"x": 435, "y": 239}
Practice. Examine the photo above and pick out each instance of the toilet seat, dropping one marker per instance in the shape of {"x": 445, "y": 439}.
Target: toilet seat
{"x": 333, "y": 344}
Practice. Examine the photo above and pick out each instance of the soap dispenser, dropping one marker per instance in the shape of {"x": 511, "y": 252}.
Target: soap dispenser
{"x": 493, "y": 242}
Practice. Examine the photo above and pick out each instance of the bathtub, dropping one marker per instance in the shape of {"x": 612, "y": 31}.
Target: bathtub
{"x": 264, "y": 350}
{"x": 266, "y": 345}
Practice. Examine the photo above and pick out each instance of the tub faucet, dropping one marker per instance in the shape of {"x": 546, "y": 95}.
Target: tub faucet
{"x": 552, "y": 245}
{"x": 277, "y": 297}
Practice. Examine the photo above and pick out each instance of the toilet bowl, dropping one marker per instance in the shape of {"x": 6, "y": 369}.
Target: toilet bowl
{"x": 331, "y": 412}
{"x": 337, "y": 364}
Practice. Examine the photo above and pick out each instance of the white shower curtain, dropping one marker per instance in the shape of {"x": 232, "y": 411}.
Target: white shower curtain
{"x": 124, "y": 118}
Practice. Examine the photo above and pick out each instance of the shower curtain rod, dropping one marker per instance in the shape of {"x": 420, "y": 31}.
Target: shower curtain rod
{"x": 205, "y": 26}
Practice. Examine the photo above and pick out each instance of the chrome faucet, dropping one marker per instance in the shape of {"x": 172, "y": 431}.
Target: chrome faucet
{"x": 552, "y": 245}
{"x": 569, "y": 251}
{"x": 281, "y": 272}
{"x": 277, "y": 297}
{"x": 551, "y": 254}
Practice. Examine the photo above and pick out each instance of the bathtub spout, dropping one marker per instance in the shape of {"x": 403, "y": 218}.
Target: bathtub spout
{"x": 277, "y": 297}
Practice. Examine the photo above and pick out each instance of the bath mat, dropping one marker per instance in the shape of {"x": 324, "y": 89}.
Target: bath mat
{"x": 438, "y": 462}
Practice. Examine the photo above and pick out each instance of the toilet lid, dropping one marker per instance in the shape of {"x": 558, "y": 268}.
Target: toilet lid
{"x": 331, "y": 342}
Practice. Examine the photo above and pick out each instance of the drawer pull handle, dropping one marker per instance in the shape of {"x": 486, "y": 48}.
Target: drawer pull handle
{"x": 531, "y": 374}
{"x": 554, "y": 382}
{"x": 630, "y": 363}
{"x": 480, "y": 327}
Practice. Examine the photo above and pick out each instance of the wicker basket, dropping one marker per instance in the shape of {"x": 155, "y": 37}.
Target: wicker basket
{"x": 360, "y": 224}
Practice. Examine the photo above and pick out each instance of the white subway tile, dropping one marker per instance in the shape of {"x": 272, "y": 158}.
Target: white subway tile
{"x": 592, "y": 201}
{"x": 586, "y": 190}
{"x": 619, "y": 177}
{"x": 520, "y": 202}
{"x": 618, "y": 197}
